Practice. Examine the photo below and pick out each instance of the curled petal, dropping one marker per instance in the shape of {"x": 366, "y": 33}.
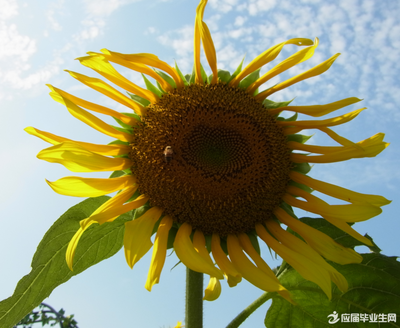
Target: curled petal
{"x": 107, "y": 150}
{"x": 137, "y": 235}
{"x": 90, "y": 187}
{"x": 293, "y": 60}
{"x": 104, "y": 68}
{"x": 339, "y": 192}
{"x": 266, "y": 57}
{"x": 201, "y": 32}
{"x": 77, "y": 159}
{"x": 319, "y": 241}
{"x": 159, "y": 252}
{"x": 297, "y": 245}
{"x": 189, "y": 256}
{"x": 316, "y": 110}
{"x": 304, "y": 266}
{"x": 317, "y": 70}
{"x": 251, "y": 273}
{"x": 346, "y": 213}
{"x": 146, "y": 59}
{"x": 232, "y": 274}
{"x": 199, "y": 243}
{"x": 213, "y": 290}
{"x": 94, "y": 107}
{"x": 90, "y": 119}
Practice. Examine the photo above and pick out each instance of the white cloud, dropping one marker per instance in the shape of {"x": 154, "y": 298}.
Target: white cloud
{"x": 103, "y": 8}
{"x": 240, "y": 20}
{"x": 14, "y": 45}
{"x": 9, "y": 8}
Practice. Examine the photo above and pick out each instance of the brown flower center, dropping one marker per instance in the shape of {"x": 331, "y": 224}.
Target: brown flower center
{"x": 227, "y": 165}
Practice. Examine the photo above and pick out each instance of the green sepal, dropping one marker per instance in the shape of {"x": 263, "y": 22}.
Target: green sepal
{"x": 171, "y": 237}
{"x": 374, "y": 288}
{"x": 124, "y": 125}
{"x": 188, "y": 78}
{"x": 130, "y": 130}
{"x": 160, "y": 88}
{"x": 141, "y": 210}
{"x": 254, "y": 241}
{"x": 136, "y": 116}
{"x": 224, "y": 245}
{"x": 301, "y": 186}
{"x": 141, "y": 101}
{"x": 203, "y": 75}
{"x": 249, "y": 79}
{"x": 302, "y": 167}
{"x": 167, "y": 78}
{"x": 192, "y": 76}
{"x": 300, "y": 138}
{"x": 272, "y": 104}
{"x": 151, "y": 87}
{"x": 117, "y": 174}
{"x": 237, "y": 71}
{"x": 49, "y": 268}
{"x": 184, "y": 79}
{"x": 223, "y": 76}
{"x": 288, "y": 209}
{"x": 119, "y": 142}
{"x": 289, "y": 119}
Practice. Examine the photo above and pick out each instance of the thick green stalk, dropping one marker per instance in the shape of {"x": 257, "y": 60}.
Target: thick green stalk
{"x": 194, "y": 299}
{"x": 242, "y": 316}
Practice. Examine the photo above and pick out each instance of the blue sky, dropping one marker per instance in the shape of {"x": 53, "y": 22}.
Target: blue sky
{"x": 40, "y": 39}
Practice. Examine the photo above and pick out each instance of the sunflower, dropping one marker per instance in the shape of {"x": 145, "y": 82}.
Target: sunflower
{"x": 207, "y": 163}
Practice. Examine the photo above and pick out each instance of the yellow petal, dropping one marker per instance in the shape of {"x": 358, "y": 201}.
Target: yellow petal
{"x": 342, "y": 155}
{"x": 94, "y": 107}
{"x": 213, "y": 290}
{"x": 319, "y": 241}
{"x": 146, "y": 59}
{"x": 339, "y": 192}
{"x": 159, "y": 252}
{"x": 231, "y": 273}
{"x": 317, "y": 70}
{"x": 90, "y": 187}
{"x": 266, "y": 57}
{"x": 104, "y": 68}
{"x": 107, "y": 150}
{"x": 108, "y": 91}
{"x": 257, "y": 259}
{"x": 293, "y": 60}
{"x": 189, "y": 256}
{"x": 203, "y": 33}
{"x": 314, "y": 148}
{"x": 251, "y": 273}
{"x": 199, "y": 243}
{"x": 339, "y": 139}
{"x": 136, "y": 67}
{"x": 114, "y": 207}
{"x": 346, "y": 213}
{"x": 137, "y": 235}
{"x": 304, "y": 266}
{"x": 323, "y": 123}
{"x": 72, "y": 245}
{"x": 298, "y": 246}
{"x": 90, "y": 119}
{"x": 77, "y": 159}
{"x": 316, "y": 110}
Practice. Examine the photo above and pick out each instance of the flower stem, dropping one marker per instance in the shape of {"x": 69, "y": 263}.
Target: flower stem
{"x": 194, "y": 299}
{"x": 242, "y": 316}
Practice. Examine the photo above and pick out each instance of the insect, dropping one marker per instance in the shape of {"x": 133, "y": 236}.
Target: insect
{"x": 168, "y": 154}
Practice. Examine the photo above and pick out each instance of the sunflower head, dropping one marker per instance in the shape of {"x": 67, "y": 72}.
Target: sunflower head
{"x": 208, "y": 163}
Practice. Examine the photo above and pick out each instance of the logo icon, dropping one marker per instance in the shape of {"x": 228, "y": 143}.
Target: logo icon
{"x": 334, "y": 317}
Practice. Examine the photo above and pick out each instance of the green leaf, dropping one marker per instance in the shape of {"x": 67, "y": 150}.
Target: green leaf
{"x": 272, "y": 104}
{"x": 49, "y": 268}
{"x": 223, "y": 76}
{"x": 184, "y": 78}
{"x": 139, "y": 100}
{"x": 374, "y": 288}
{"x": 249, "y": 79}
{"x": 151, "y": 87}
